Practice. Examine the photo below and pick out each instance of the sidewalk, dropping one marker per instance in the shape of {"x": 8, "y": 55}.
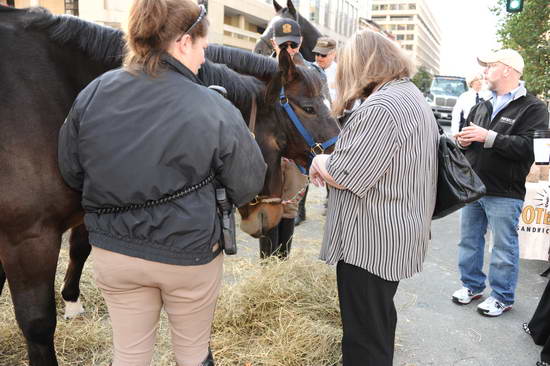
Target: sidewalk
{"x": 432, "y": 330}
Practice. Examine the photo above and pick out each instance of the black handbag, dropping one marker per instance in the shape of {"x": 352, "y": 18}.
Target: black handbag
{"x": 457, "y": 183}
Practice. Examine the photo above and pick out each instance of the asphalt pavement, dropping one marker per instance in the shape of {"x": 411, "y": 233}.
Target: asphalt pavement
{"x": 431, "y": 329}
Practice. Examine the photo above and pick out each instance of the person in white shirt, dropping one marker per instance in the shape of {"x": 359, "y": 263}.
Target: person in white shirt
{"x": 325, "y": 53}
{"x": 466, "y": 101}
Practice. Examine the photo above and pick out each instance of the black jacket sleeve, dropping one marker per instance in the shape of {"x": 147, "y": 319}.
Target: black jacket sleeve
{"x": 68, "y": 159}
{"x": 519, "y": 146}
{"x": 241, "y": 169}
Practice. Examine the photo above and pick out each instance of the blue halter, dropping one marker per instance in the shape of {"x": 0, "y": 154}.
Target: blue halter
{"x": 315, "y": 148}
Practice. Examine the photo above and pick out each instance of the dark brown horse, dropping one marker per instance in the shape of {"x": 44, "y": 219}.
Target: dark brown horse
{"x": 48, "y": 60}
{"x": 310, "y": 34}
{"x": 276, "y": 133}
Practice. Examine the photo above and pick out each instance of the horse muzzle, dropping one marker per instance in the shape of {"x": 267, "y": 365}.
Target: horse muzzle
{"x": 258, "y": 219}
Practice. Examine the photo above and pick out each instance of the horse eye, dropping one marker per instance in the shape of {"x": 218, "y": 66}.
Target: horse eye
{"x": 309, "y": 110}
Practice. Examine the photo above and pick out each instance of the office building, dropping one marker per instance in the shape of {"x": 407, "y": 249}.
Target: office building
{"x": 414, "y": 27}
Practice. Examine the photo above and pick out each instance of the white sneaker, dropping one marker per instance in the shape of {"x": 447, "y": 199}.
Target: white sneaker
{"x": 492, "y": 307}
{"x": 464, "y": 296}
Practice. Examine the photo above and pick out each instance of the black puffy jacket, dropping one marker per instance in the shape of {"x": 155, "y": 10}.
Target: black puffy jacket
{"x": 133, "y": 138}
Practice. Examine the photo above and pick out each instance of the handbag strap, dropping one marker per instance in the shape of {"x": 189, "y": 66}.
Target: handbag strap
{"x": 441, "y": 131}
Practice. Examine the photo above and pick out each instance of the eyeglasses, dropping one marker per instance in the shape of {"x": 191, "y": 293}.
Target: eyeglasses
{"x": 290, "y": 44}
{"x": 319, "y": 54}
{"x": 202, "y": 14}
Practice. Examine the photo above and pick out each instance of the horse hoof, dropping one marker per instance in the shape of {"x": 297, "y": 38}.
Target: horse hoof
{"x": 73, "y": 309}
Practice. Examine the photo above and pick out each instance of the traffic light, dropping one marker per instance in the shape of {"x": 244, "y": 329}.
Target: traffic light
{"x": 514, "y": 6}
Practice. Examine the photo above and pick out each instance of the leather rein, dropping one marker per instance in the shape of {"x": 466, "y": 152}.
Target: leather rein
{"x": 252, "y": 127}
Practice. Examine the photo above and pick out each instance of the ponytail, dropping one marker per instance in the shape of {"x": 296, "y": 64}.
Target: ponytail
{"x": 152, "y": 25}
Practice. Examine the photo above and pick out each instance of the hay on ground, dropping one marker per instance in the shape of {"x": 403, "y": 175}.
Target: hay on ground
{"x": 277, "y": 313}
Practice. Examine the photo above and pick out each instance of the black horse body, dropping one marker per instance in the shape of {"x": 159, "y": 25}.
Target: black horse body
{"x": 49, "y": 59}
{"x": 310, "y": 34}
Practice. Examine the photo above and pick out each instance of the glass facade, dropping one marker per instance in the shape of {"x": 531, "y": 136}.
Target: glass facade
{"x": 314, "y": 10}
{"x": 71, "y": 7}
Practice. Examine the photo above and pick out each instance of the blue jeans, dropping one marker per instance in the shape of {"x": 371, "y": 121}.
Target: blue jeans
{"x": 502, "y": 215}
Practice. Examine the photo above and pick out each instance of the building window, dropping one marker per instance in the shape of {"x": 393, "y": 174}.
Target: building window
{"x": 401, "y": 27}
{"x": 383, "y": 17}
{"x": 393, "y": 6}
{"x": 410, "y": 26}
{"x": 409, "y": 47}
{"x": 71, "y": 7}
{"x": 412, "y": 6}
{"x": 383, "y": 7}
{"x": 376, "y": 7}
{"x": 327, "y": 13}
{"x": 401, "y": 17}
{"x": 347, "y": 29}
{"x": 314, "y": 6}
{"x": 410, "y": 37}
{"x": 337, "y": 17}
{"x": 400, "y": 37}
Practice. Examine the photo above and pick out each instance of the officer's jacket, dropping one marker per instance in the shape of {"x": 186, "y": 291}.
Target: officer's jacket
{"x": 132, "y": 138}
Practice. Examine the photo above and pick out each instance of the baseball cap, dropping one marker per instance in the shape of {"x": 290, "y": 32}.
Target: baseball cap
{"x": 324, "y": 45}
{"x": 286, "y": 30}
{"x": 506, "y": 56}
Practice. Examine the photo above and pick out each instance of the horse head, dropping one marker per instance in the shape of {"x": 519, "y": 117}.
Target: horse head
{"x": 296, "y": 124}
{"x": 309, "y": 32}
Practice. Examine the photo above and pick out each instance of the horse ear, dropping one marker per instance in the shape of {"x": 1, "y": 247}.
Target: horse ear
{"x": 292, "y": 9}
{"x": 287, "y": 67}
{"x": 276, "y": 6}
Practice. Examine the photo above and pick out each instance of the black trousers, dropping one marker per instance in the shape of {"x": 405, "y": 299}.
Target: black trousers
{"x": 540, "y": 324}
{"x": 368, "y": 315}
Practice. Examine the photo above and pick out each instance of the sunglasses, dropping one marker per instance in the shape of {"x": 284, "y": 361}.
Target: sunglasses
{"x": 290, "y": 44}
{"x": 201, "y": 16}
{"x": 319, "y": 54}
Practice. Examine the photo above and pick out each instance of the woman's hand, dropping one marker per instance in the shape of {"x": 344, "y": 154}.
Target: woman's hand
{"x": 318, "y": 173}
{"x": 317, "y": 166}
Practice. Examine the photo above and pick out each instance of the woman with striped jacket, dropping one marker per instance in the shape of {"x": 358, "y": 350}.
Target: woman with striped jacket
{"x": 382, "y": 178}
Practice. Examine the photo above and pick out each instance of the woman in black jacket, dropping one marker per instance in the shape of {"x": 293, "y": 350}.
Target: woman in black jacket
{"x": 143, "y": 144}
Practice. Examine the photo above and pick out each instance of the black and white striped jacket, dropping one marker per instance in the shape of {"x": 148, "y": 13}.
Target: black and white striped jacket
{"x": 386, "y": 157}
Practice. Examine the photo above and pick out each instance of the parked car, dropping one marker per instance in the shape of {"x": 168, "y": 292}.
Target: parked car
{"x": 443, "y": 94}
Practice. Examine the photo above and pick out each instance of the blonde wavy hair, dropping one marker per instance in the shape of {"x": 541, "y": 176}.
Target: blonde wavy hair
{"x": 366, "y": 61}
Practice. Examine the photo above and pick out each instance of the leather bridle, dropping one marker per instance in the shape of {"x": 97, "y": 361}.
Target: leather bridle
{"x": 315, "y": 147}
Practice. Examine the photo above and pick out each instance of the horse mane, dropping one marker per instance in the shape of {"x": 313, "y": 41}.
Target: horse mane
{"x": 101, "y": 43}
{"x": 261, "y": 67}
{"x": 240, "y": 88}
{"x": 243, "y": 62}
{"x": 7, "y": 9}
{"x": 311, "y": 78}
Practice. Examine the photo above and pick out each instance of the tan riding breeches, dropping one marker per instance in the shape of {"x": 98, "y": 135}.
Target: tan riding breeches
{"x": 135, "y": 291}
